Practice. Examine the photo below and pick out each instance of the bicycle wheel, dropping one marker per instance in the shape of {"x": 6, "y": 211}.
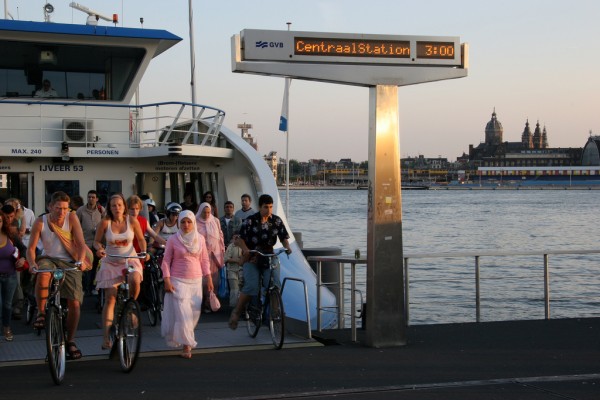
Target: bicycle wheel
{"x": 276, "y": 318}
{"x": 30, "y": 309}
{"x": 253, "y": 316}
{"x": 152, "y": 299}
{"x": 100, "y": 302}
{"x": 130, "y": 335}
{"x": 55, "y": 344}
{"x": 154, "y": 306}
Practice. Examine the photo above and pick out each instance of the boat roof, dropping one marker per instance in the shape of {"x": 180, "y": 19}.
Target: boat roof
{"x": 166, "y": 39}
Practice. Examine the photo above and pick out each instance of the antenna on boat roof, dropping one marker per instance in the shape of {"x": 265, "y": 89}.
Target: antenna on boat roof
{"x": 93, "y": 16}
{"x": 48, "y": 9}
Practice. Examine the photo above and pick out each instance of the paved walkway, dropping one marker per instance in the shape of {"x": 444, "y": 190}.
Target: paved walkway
{"x": 496, "y": 360}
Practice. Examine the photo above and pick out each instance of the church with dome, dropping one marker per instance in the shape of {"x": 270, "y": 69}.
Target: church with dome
{"x": 531, "y": 151}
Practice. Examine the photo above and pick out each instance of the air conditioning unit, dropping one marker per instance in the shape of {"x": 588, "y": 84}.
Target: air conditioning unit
{"x": 78, "y": 131}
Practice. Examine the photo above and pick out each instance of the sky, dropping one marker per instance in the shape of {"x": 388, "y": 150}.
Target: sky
{"x": 535, "y": 60}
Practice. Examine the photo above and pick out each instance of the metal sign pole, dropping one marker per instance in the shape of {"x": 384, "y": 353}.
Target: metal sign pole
{"x": 385, "y": 276}
{"x": 381, "y": 63}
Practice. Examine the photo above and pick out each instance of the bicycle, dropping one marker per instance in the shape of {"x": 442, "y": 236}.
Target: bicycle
{"x": 56, "y": 323}
{"x": 126, "y": 330}
{"x": 272, "y": 304}
{"x": 29, "y": 306}
{"x": 153, "y": 290}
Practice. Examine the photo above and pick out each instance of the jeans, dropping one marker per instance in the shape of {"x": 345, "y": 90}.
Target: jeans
{"x": 8, "y": 285}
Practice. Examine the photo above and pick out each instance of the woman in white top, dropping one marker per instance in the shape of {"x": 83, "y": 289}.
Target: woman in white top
{"x": 117, "y": 229}
{"x": 169, "y": 226}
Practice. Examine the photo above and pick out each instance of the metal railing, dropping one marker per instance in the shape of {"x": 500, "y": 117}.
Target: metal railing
{"x": 476, "y": 256}
{"x": 341, "y": 287}
{"x": 342, "y": 261}
{"x": 298, "y": 327}
{"x": 146, "y": 125}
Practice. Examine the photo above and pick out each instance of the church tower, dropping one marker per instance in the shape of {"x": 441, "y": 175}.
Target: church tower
{"x": 493, "y": 131}
{"x": 537, "y": 137}
{"x": 544, "y": 138}
{"x": 526, "y": 137}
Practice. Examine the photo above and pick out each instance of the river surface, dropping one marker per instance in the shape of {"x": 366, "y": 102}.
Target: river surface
{"x": 436, "y": 221}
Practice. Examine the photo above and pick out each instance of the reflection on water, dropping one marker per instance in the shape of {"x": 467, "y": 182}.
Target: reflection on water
{"x": 443, "y": 290}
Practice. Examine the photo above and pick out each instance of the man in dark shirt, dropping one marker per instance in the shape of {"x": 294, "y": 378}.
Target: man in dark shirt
{"x": 259, "y": 231}
{"x": 230, "y": 224}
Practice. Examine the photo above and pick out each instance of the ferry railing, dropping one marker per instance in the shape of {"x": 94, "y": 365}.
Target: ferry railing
{"x": 342, "y": 261}
{"x": 293, "y": 325}
{"x": 145, "y": 125}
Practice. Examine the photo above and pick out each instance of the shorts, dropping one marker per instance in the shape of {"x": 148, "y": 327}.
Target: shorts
{"x": 72, "y": 287}
{"x": 252, "y": 275}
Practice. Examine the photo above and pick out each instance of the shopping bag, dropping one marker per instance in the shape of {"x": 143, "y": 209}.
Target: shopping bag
{"x": 215, "y": 304}
{"x": 223, "y": 289}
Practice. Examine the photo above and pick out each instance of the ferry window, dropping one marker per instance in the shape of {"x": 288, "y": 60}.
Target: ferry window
{"x": 69, "y": 187}
{"x": 107, "y": 188}
{"x": 83, "y": 72}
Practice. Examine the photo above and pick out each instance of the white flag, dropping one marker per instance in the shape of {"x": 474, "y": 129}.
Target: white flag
{"x": 283, "y": 120}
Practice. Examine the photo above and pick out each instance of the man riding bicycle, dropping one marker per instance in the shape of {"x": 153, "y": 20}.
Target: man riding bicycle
{"x": 63, "y": 242}
{"x": 259, "y": 231}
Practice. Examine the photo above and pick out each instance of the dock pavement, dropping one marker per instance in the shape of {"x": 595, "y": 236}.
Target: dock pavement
{"x": 539, "y": 359}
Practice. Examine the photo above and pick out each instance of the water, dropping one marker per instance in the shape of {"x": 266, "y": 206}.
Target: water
{"x": 435, "y": 221}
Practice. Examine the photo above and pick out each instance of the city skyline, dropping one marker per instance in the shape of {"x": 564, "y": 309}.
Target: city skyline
{"x": 529, "y": 60}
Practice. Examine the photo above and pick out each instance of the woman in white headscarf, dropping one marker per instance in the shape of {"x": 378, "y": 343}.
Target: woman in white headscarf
{"x": 185, "y": 263}
{"x": 210, "y": 228}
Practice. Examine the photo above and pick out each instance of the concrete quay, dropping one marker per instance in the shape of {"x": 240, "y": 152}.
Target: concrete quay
{"x": 542, "y": 359}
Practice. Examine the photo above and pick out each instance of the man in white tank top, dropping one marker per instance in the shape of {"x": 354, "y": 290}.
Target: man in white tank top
{"x": 44, "y": 228}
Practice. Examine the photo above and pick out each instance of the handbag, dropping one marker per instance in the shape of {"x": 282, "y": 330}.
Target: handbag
{"x": 223, "y": 290}
{"x": 215, "y": 304}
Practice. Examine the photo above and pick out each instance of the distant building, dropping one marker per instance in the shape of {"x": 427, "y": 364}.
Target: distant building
{"x": 247, "y": 136}
{"x": 591, "y": 151}
{"x": 272, "y": 161}
{"x": 531, "y": 151}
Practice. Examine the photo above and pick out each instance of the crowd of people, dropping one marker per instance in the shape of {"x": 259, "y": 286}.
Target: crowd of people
{"x": 200, "y": 249}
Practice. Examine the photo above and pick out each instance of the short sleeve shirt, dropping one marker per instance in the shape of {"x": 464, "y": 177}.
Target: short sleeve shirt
{"x": 263, "y": 236}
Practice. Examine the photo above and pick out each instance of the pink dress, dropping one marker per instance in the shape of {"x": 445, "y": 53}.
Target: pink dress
{"x": 211, "y": 231}
{"x": 111, "y": 269}
{"x": 182, "y": 307}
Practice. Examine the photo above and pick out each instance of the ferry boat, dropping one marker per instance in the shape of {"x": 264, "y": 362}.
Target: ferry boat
{"x": 528, "y": 176}
{"x": 88, "y": 132}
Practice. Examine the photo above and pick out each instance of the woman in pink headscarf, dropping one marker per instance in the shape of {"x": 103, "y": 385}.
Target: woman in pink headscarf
{"x": 210, "y": 228}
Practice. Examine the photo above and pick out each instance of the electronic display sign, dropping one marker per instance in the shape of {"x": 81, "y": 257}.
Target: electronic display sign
{"x": 436, "y": 50}
{"x": 349, "y": 48}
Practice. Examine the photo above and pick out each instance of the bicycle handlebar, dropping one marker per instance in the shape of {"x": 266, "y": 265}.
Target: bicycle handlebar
{"x": 138, "y": 255}
{"x": 75, "y": 268}
{"x": 275, "y": 254}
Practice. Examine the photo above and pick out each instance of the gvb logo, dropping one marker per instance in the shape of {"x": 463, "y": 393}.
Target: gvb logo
{"x": 264, "y": 45}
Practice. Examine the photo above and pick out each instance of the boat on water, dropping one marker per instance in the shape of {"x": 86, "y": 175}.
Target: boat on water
{"x": 403, "y": 187}
{"x": 70, "y": 120}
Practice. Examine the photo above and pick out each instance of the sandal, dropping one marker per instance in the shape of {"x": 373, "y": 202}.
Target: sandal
{"x": 72, "y": 351}
{"x": 40, "y": 322}
{"x": 187, "y": 352}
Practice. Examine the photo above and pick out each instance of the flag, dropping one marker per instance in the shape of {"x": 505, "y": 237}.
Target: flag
{"x": 283, "y": 120}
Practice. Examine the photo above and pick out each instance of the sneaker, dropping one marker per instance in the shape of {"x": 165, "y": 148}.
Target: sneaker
{"x": 8, "y": 335}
